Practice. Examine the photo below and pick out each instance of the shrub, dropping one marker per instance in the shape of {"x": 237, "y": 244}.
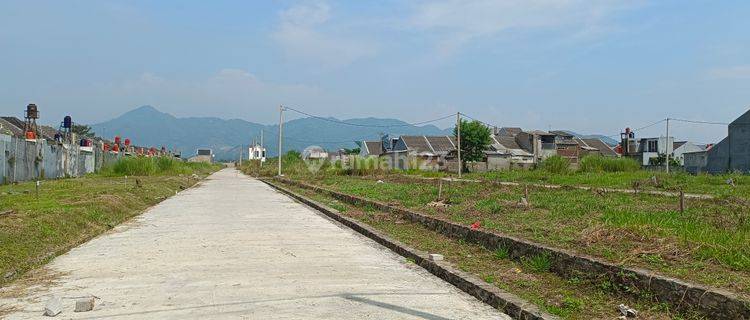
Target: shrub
{"x": 149, "y": 166}
{"x": 608, "y": 164}
{"x": 556, "y": 164}
{"x": 501, "y": 253}
{"x": 537, "y": 263}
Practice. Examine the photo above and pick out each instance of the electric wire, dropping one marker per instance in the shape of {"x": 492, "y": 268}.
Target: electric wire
{"x": 699, "y": 121}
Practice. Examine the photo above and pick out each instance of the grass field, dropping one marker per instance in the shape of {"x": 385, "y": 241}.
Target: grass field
{"x": 622, "y": 176}
{"x": 529, "y": 279}
{"x": 708, "y": 243}
{"x": 67, "y": 212}
{"x": 715, "y": 185}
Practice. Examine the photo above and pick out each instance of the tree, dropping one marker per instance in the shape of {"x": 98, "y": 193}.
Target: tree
{"x": 475, "y": 138}
{"x": 82, "y": 130}
{"x": 352, "y": 151}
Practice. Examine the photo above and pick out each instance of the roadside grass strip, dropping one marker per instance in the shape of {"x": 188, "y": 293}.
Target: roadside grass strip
{"x": 463, "y": 197}
{"x": 530, "y": 278}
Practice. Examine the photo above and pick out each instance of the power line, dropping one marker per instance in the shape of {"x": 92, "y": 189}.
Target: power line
{"x": 700, "y": 122}
{"x": 475, "y": 119}
{"x": 367, "y": 125}
{"x": 642, "y": 128}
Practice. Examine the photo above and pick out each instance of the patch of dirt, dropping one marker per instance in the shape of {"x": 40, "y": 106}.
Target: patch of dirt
{"x": 638, "y": 247}
{"x": 32, "y": 282}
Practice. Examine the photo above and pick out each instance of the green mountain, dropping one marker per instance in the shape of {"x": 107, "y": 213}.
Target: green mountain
{"x": 147, "y": 126}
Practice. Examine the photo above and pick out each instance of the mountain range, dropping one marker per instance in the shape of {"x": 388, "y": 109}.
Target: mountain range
{"x": 147, "y": 126}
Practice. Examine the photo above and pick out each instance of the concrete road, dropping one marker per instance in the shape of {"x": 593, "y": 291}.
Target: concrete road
{"x": 233, "y": 248}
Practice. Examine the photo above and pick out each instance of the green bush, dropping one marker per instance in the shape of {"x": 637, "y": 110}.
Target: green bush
{"x": 538, "y": 263}
{"x": 149, "y": 166}
{"x": 556, "y": 164}
{"x": 608, "y": 164}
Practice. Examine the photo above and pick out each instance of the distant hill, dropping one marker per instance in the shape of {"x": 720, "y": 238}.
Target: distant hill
{"x": 148, "y": 126}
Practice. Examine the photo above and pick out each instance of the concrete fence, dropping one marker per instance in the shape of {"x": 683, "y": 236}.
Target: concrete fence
{"x": 25, "y": 160}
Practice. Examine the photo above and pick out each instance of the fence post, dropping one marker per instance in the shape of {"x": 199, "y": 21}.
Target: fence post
{"x": 682, "y": 201}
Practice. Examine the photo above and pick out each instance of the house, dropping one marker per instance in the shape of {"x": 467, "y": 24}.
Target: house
{"x": 567, "y": 147}
{"x": 505, "y": 153}
{"x": 733, "y": 152}
{"x": 651, "y": 149}
{"x": 418, "y": 152}
{"x": 508, "y": 131}
{"x": 202, "y": 155}
{"x": 370, "y": 148}
{"x": 595, "y": 147}
{"x": 314, "y": 153}
{"x": 10, "y": 127}
{"x": 695, "y": 162}
{"x": 539, "y": 143}
{"x": 682, "y": 147}
{"x": 16, "y": 127}
{"x": 256, "y": 152}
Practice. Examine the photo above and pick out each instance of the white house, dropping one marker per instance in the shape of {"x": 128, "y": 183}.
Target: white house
{"x": 257, "y": 152}
{"x": 683, "y": 147}
{"x": 650, "y": 148}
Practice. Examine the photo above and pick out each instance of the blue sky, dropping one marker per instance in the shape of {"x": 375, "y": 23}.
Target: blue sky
{"x": 587, "y": 66}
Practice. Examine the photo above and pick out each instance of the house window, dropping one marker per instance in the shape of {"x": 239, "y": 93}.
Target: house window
{"x": 653, "y": 146}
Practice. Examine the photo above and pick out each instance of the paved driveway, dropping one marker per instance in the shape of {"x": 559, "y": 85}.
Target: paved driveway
{"x": 233, "y": 248}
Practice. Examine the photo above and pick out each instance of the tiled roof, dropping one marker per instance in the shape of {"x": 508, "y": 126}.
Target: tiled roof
{"x": 429, "y": 144}
{"x": 510, "y": 131}
{"x": 442, "y": 144}
{"x": 598, "y": 144}
{"x": 561, "y": 133}
{"x": 10, "y": 127}
{"x": 416, "y": 143}
{"x": 540, "y": 133}
{"x": 374, "y": 148}
{"x": 507, "y": 144}
{"x": 16, "y": 126}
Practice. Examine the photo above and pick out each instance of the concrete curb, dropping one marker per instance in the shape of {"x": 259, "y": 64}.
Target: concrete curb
{"x": 508, "y": 303}
{"x": 712, "y": 302}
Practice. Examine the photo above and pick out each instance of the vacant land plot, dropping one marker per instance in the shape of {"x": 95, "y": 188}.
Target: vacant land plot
{"x": 35, "y": 227}
{"x": 735, "y": 185}
{"x": 707, "y": 243}
{"x": 530, "y": 279}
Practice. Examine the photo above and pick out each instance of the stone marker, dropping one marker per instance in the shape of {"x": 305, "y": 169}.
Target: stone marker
{"x": 627, "y": 312}
{"x": 53, "y": 307}
{"x": 436, "y": 257}
{"x": 85, "y": 304}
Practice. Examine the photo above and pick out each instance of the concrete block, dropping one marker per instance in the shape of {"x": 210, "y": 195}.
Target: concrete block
{"x": 436, "y": 257}
{"x": 53, "y": 307}
{"x": 85, "y": 304}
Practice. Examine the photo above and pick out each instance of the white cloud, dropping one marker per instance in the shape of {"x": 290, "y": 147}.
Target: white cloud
{"x": 734, "y": 72}
{"x": 306, "y": 34}
{"x": 458, "y": 22}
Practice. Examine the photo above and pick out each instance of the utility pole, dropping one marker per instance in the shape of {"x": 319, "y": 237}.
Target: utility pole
{"x": 281, "y": 128}
{"x": 458, "y": 142}
{"x": 262, "y": 151}
{"x": 240, "y": 155}
{"x": 667, "y": 145}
